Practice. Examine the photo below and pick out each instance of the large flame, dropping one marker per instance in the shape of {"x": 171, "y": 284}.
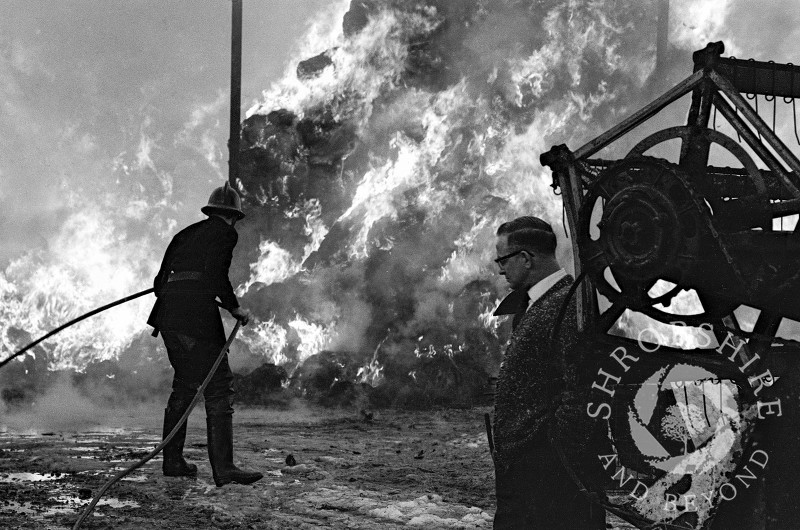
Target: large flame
{"x": 276, "y": 264}
{"x": 447, "y": 109}
{"x": 459, "y": 159}
{"x": 88, "y": 263}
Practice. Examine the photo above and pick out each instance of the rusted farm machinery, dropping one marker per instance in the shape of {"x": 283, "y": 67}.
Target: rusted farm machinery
{"x": 647, "y": 230}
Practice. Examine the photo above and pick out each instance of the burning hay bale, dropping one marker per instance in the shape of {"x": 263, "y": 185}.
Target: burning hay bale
{"x": 314, "y": 66}
{"x": 329, "y": 378}
{"x": 375, "y": 177}
{"x": 263, "y": 386}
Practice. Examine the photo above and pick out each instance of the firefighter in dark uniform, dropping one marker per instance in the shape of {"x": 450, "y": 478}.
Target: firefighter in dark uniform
{"x": 193, "y": 274}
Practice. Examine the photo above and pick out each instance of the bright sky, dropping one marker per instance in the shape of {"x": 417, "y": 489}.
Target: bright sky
{"x": 116, "y": 95}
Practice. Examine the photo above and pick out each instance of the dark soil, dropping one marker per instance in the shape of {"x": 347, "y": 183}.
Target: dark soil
{"x": 420, "y": 469}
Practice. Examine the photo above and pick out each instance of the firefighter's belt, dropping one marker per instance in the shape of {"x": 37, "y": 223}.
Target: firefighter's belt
{"x": 184, "y": 275}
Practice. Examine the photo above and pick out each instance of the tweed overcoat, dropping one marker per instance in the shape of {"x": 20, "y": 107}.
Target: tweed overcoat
{"x": 532, "y": 376}
{"x": 189, "y": 306}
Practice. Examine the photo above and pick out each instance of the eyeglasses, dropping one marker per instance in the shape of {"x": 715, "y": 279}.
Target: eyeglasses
{"x": 502, "y": 259}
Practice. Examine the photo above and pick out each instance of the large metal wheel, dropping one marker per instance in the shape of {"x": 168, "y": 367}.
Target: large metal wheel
{"x": 646, "y": 224}
{"x": 757, "y": 192}
{"x": 640, "y": 223}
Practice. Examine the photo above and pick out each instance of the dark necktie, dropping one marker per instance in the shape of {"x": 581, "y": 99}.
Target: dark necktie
{"x": 523, "y": 306}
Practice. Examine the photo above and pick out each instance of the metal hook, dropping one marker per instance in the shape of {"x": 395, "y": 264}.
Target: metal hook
{"x": 774, "y": 112}
{"x": 791, "y": 84}
{"x": 794, "y": 114}
{"x": 755, "y": 96}
{"x": 771, "y": 95}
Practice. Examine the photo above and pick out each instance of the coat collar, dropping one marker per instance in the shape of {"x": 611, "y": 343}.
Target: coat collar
{"x": 518, "y": 301}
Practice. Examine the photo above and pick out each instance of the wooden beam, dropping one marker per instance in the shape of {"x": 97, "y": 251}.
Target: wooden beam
{"x": 647, "y": 112}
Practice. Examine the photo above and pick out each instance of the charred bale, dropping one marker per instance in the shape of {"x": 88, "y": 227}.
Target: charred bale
{"x": 356, "y": 18}
{"x": 329, "y": 378}
{"x": 273, "y": 164}
{"x": 314, "y": 66}
{"x": 15, "y": 398}
{"x": 262, "y": 386}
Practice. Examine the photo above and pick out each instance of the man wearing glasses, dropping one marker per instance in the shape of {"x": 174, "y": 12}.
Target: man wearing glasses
{"x": 532, "y": 486}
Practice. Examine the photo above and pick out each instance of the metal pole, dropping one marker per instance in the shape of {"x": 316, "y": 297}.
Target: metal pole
{"x": 236, "y": 89}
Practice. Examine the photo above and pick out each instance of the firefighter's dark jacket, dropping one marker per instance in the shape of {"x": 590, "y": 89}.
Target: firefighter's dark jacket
{"x": 189, "y": 306}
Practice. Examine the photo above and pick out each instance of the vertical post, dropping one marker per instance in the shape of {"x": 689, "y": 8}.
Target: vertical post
{"x": 236, "y": 89}
{"x": 695, "y": 148}
{"x": 561, "y": 162}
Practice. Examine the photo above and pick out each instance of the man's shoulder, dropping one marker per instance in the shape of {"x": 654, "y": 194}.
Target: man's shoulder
{"x": 215, "y": 229}
{"x": 562, "y": 285}
{"x": 187, "y": 231}
{"x": 558, "y": 291}
{"x": 220, "y": 228}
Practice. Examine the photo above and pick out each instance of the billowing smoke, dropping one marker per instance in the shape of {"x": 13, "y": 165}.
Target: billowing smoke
{"x": 377, "y": 171}
{"x": 374, "y": 174}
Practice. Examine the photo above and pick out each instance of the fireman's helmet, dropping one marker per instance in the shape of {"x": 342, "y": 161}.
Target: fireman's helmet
{"x": 224, "y": 201}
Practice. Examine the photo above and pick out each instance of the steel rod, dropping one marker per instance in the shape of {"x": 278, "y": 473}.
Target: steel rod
{"x": 784, "y": 208}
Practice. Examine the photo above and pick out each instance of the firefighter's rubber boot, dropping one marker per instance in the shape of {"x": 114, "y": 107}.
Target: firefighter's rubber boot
{"x": 174, "y": 464}
{"x": 220, "y": 452}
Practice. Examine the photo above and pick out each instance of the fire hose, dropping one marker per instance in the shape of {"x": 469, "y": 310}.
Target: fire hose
{"x": 90, "y": 507}
{"x": 75, "y": 321}
{"x": 159, "y": 447}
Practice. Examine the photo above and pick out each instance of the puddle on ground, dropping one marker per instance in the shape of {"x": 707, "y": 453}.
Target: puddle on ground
{"x": 136, "y": 478}
{"x": 28, "y": 509}
{"x": 28, "y": 477}
{"x": 67, "y": 504}
{"x": 73, "y": 501}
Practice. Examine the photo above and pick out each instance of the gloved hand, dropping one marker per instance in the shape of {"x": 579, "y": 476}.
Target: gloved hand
{"x": 242, "y": 315}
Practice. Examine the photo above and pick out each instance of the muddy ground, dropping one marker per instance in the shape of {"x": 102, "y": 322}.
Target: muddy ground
{"x": 426, "y": 469}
